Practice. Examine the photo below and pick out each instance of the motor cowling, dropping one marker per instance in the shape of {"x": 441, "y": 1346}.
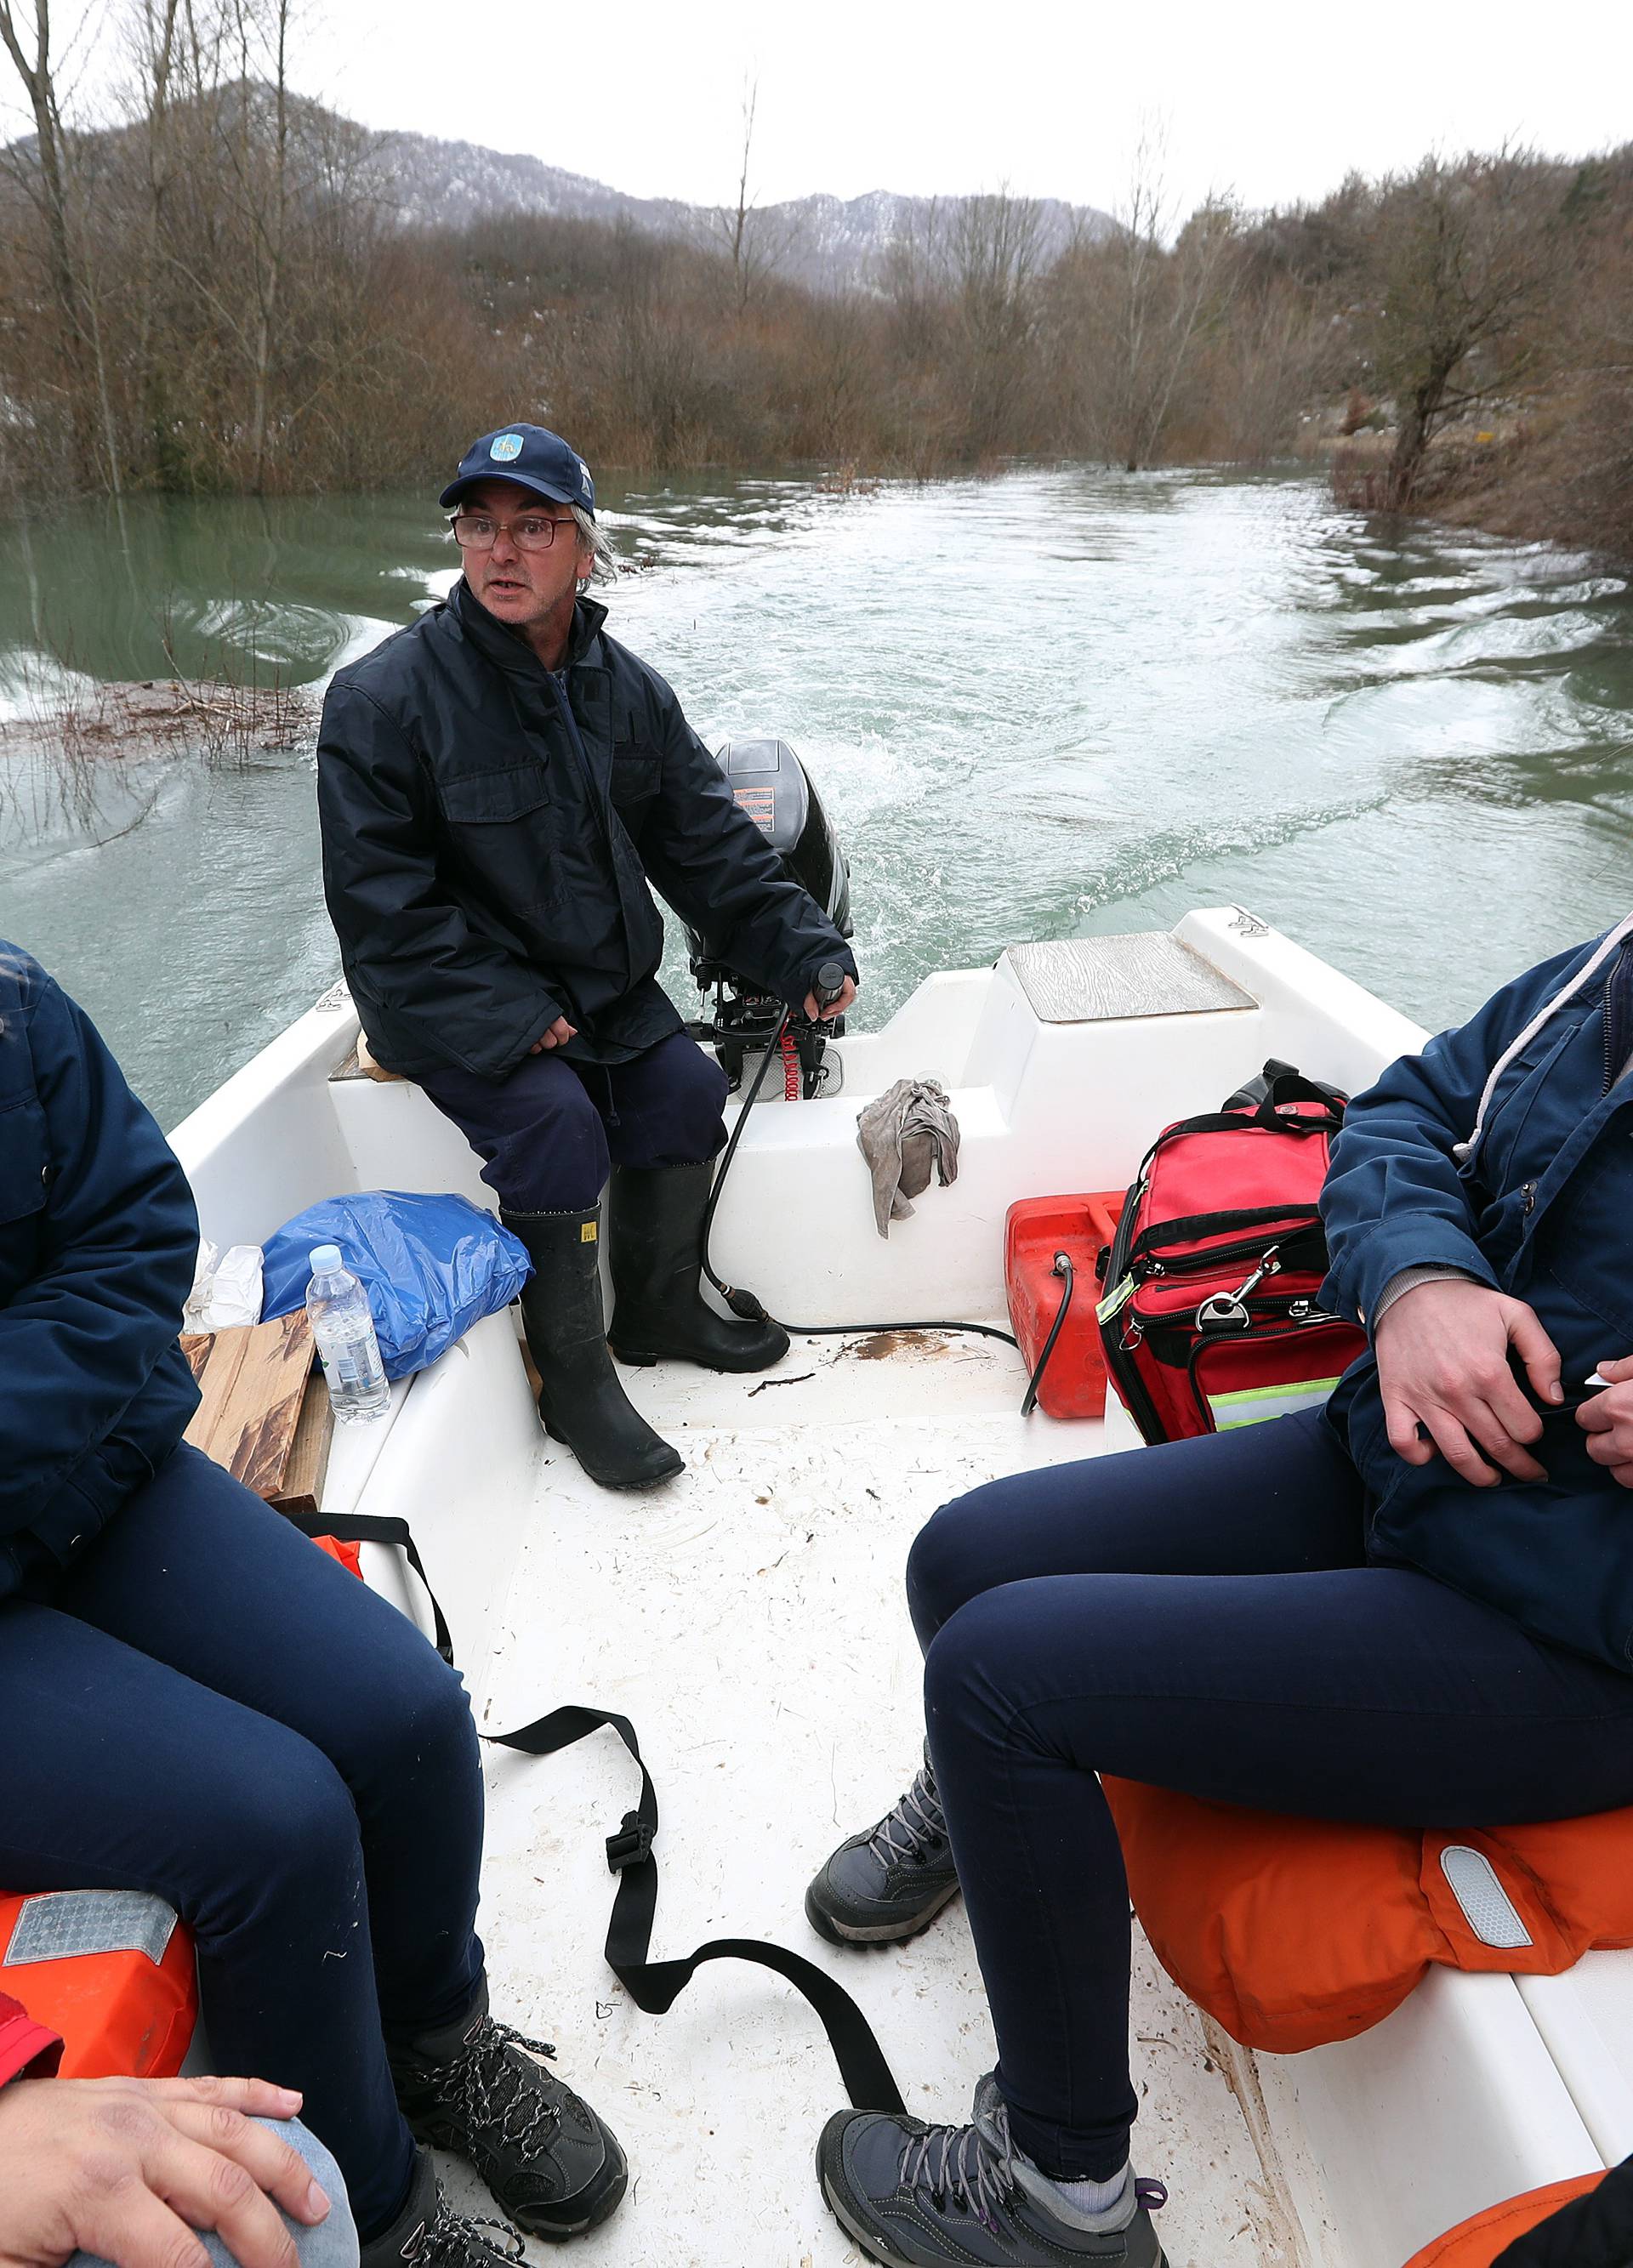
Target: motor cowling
{"x": 771, "y": 784}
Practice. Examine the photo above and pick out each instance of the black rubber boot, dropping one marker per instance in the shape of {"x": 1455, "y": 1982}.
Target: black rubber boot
{"x": 581, "y": 1400}
{"x": 659, "y": 1314}
{"x": 429, "y": 2233}
{"x": 477, "y": 2087}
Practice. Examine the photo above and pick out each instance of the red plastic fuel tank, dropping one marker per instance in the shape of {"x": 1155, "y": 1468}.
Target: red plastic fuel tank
{"x": 1035, "y": 1229}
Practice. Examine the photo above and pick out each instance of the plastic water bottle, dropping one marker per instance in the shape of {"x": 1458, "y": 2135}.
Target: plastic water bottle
{"x": 344, "y": 1332}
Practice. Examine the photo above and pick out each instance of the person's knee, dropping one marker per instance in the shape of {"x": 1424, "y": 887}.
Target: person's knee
{"x": 333, "y": 2243}
{"x": 285, "y": 1833}
{"x": 551, "y": 1154}
{"x": 945, "y": 1561}
{"x": 966, "y": 1684}
{"x": 415, "y": 1724}
{"x": 698, "y": 1090}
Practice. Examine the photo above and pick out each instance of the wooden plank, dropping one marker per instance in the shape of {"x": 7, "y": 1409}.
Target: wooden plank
{"x": 1091, "y": 980}
{"x": 302, "y": 1489}
{"x": 253, "y": 1389}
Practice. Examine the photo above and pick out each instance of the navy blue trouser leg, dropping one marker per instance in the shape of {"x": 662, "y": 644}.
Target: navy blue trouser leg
{"x": 547, "y": 1134}
{"x": 1199, "y": 1617}
{"x": 208, "y": 1708}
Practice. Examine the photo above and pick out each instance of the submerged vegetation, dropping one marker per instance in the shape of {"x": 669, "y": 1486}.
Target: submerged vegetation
{"x": 217, "y": 292}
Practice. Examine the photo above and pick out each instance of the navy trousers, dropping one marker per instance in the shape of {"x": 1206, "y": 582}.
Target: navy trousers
{"x": 1200, "y": 1617}
{"x": 207, "y": 1707}
{"x": 547, "y": 1134}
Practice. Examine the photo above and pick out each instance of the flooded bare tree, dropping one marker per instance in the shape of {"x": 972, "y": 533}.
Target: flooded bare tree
{"x": 1133, "y": 312}
{"x": 994, "y": 260}
{"x": 756, "y": 241}
{"x": 1463, "y": 258}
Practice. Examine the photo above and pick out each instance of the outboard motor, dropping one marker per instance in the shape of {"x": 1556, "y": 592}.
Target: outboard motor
{"x": 771, "y": 783}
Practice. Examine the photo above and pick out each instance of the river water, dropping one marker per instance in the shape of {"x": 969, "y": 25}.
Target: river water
{"x": 1037, "y": 705}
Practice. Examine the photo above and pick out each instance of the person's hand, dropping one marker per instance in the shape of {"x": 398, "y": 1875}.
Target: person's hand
{"x": 815, "y": 1010}
{"x": 1607, "y": 1420}
{"x": 560, "y": 1033}
{"x": 1442, "y": 1365}
{"x": 130, "y": 2169}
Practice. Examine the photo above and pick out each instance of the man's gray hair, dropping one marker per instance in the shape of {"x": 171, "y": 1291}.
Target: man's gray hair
{"x": 598, "y": 543}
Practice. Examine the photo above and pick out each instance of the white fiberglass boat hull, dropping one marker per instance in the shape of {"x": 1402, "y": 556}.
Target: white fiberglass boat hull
{"x": 750, "y": 1619}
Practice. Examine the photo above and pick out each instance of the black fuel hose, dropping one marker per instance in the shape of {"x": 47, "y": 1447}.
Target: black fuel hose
{"x": 744, "y": 1304}
{"x": 1062, "y": 1267}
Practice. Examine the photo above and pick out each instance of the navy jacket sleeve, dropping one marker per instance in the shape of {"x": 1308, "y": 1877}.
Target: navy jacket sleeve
{"x": 473, "y": 1004}
{"x": 118, "y": 1243}
{"x": 712, "y": 865}
{"x": 1394, "y": 1197}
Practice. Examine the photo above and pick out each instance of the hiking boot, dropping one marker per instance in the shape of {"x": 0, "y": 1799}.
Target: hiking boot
{"x": 581, "y": 1400}
{"x": 890, "y": 1882}
{"x": 429, "y": 2233}
{"x": 481, "y": 2090}
{"x": 659, "y": 1312}
{"x": 914, "y": 2196}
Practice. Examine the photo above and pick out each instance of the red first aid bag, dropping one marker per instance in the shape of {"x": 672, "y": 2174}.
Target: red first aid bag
{"x": 1209, "y": 1318}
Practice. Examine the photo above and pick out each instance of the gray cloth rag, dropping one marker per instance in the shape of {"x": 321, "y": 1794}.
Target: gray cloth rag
{"x": 902, "y": 1134}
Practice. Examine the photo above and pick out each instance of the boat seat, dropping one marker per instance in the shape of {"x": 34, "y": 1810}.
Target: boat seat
{"x": 1294, "y": 1932}
{"x": 1475, "y": 2244}
{"x": 363, "y": 1063}
{"x": 111, "y": 1970}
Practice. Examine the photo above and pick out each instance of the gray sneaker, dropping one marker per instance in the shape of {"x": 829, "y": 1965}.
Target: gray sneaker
{"x": 889, "y": 1882}
{"x": 914, "y": 2195}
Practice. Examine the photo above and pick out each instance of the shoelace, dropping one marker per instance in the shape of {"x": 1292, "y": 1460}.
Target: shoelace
{"x": 972, "y": 2170}
{"x": 486, "y": 2090}
{"x": 960, "y": 2165}
{"x": 450, "y": 2237}
{"x": 917, "y": 1820}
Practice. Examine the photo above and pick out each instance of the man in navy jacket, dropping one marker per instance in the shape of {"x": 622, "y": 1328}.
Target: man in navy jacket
{"x": 496, "y": 786}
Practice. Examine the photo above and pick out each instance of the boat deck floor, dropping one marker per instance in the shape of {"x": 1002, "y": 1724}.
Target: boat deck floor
{"x": 750, "y": 1619}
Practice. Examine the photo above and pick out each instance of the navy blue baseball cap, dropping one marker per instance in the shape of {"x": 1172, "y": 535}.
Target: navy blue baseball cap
{"x": 531, "y": 457}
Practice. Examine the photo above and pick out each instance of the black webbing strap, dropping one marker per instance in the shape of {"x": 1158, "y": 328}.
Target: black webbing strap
{"x": 1266, "y": 1119}
{"x": 656, "y": 1985}
{"x": 379, "y": 1528}
{"x": 1192, "y": 1227}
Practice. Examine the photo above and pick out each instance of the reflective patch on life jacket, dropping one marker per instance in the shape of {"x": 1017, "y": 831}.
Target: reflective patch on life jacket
{"x": 63, "y": 1924}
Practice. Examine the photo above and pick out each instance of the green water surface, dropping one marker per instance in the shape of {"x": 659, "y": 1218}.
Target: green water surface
{"x": 1053, "y": 701}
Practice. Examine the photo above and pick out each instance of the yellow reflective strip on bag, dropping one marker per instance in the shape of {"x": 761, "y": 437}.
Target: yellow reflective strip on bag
{"x": 1254, "y": 1403}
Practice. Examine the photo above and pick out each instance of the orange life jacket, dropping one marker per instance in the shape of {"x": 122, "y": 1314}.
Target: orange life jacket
{"x": 111, "y": 1970}
{"x": 350, "y": 1555}
{"x": 1476, "y": 2243}
{"x": 1292, "y": 1932}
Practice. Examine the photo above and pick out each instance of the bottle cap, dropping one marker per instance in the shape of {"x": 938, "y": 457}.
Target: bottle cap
{"x": 326, "y": 1259}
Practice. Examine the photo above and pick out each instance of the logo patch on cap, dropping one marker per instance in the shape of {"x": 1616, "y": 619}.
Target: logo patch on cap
{"x": 584, "y": 475}
{"x": 503, "y": 446}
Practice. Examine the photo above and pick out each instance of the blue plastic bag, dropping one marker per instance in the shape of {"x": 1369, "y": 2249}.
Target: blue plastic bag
{"x": 432, "y": 1266}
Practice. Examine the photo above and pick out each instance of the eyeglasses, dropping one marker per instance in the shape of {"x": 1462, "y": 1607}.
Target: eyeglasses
{"x": 479, "y": 531}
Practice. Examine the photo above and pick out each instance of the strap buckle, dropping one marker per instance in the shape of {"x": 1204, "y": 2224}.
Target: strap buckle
{"x": 631, "y": 1846}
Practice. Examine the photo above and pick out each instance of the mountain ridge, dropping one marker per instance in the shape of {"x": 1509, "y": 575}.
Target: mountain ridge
{"x": 823, "y": 238}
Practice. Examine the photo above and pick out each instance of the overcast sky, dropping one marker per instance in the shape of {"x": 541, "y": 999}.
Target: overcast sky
{"x": 1275, "y": 101}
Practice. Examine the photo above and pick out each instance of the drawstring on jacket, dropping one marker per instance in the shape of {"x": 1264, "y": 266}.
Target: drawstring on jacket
{"x": 1464, "y": 1150}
